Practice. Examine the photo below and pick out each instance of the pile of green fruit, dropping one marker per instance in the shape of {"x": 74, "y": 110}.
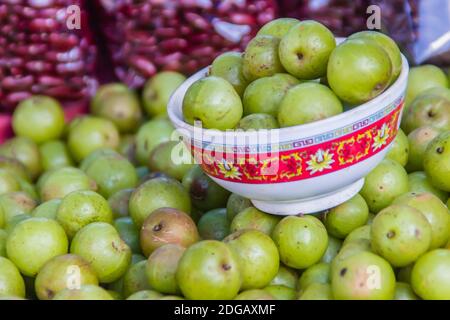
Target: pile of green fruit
{"x": 97, "y": 209}
{"x": 290, "y": 74}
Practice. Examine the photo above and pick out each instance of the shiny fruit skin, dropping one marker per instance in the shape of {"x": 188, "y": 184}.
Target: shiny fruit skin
{"x": 58, "y": 183}
{"x": 129, "y": 233}
{"x": 150, "y": 135}
{"x": 418, "y": 140}
{"x": 400, "y": 234}
{"x": 403, "y": 291}
{"x": 35, "y": 241}
{"x": 58, "y": 274}
{"x": 11, "y": 281}
{"x": 214, "y": 225}
{"x": 305, "y": 49}
{"x": 257, "y": 257}
{"x": 55, "y": 155}
{"x": 435, "y": 212}
{"x": 362, "y": 276}
{"x": 214, "y": 102}
{"x": 286, "y": 277}
{"x": 254, "y": 294}
{"x": 89, "y": 134}
{"x": 264, "y": 95}
{"x": 157, "y": 193}
{"x": 437, "y": 161}
{"x": 158, "y": 90}
{"x": 161, "y": 268}
{"x": 400, "y": 149}
{"x": 100, "y": 244}
{"x": 261, "y": 58}
{"x": 301, "y": 241}
{"x": 145, "y": 295}
{"x": 388, "y": 45}
{"x": 358, "y": 71}
{"x": 86, "y": 292}
{"x": 258, "y": 121}
{"x": 81, "y": 208}
{"x": 383, "y": 184}
{"x": 420, "y": 183}
{"x": 209, "y": 270}
{"x": 346, "y": 217}
{"x": 172, "y": 158}
{"x": 252, "y": 218}
{"x": 278, "y": 27}
{"x": 167, "y": 226}
{"x": 229, "y": 67}
{"x": 279, "y": 292}
{"x": 14, "y": 204}
{"x": 334, "y": 245}
{"x": 430, "y": 277}
{"x": 317, "y": 291}
{"x": 308, "y": 102}
{"x": 317, "y": 273}
{"x": 39, "y": 118}
{"x": 25, "y": 151}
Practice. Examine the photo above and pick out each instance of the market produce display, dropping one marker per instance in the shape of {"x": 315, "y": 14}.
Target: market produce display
{"x": 275, "y": 83}
{"x": 98, "y": 209}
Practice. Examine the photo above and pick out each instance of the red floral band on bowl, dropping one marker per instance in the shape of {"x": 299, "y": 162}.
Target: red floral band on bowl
{"x": 308, "y": 157}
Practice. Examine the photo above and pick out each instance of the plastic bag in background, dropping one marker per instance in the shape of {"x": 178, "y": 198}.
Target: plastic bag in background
{"x": 420, "y": 27}
{"x": 40, "y": 55}
{"x": 343, "y": 17}
{"x": 146, "y": 36}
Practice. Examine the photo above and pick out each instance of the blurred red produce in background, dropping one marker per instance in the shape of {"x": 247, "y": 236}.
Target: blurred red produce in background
{"x": 146, "y": 36}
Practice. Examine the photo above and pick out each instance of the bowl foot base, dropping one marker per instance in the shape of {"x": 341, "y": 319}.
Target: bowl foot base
{"x": 310, "y": 205}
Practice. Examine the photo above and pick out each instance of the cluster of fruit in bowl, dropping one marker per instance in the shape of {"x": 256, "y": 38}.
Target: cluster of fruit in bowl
{"x": 292, "y": 73}
{"x": 98, "y": 209}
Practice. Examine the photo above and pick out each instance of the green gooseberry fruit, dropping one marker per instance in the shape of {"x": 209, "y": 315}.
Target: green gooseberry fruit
{"x": 252, "y": 218}
{"x": 103, "y": 92}
{"x": 150, "y": 135}
{"x": 383, "y": 184}
{"x": 254, "y": 294}
{"x": 63, "y": 272}
{"x": 281, "y": 292}
{"x": 135, "y": 279}
{"x": 209, "y": 270}
{"x": 308, "y": 102}
{"x": 228, "y": 66}
{"x": 420, "y": 183}
{"x": 400, "y": 234}
{"x": 47, "y": 209}
{"x": 8, "y": 182}
{"x": 214, "y": 225}
{"x": 257, "y": 256}
{"x": 161, "y": 268}
{"x": 119, "y": 203}
{"x": 15, "y": 167}
{"x": 264, "y": 95}
{"x": 35, "y": 241}
{"x": 11, "y": 281}
{"x": 14, "y": 204}
{"x": 258, "y": 121}
{"x": 388, "y": 45}
{"x": 403, "y": 291}
{"x": 434, "y": 211}
{"x": 334, "y": 245}
{"x": 362, "y": 276}
{"x": 418, "y": 140}
{"x": 55, "y": 155}
{"x": 423, "y": 78}
{"x": 430, "y": 275}
{"x": 399, "y": 150}
{"x": 204, "y": 193}
{"x": 317, "y": 273}
{"x": 346, "y": 217}
{"x": 358, "y": 71}
{"x": 305, "y": 49}
{"x": 85, "y": 292}
{"x": 89, "y": 134}
{"x": 214, "y": 102}
{"x": 60, "y": 182}
{"x": 145, "y": 295}
{"x": 39, "y": 118}
{"x": 172, "y": 158}
{"x": 261, "y": 58}
{"x": 80, "y": 208}
{"x": 317, "y": 291}
{"x": 278, "y": 27}
{"x": 170, "y": 194}
{"x": 301, "y": 241}
{"x": 128, "y": 232}
{"x": 26, "y": 151}
{"x": 236, "y": 204}
{"x": 158, "y": 90}
{"x": 100, "y": 244}
{"x": 437, "y": 161}
{"x": 286, "y": 277}
{"x": 167, "y": 225}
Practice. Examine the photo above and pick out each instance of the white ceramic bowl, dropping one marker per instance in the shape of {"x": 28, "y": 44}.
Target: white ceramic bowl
{"x": 312, "y": 167}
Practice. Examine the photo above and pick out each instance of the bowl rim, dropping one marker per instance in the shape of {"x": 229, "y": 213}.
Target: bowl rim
{"x": 336, "y": 121}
